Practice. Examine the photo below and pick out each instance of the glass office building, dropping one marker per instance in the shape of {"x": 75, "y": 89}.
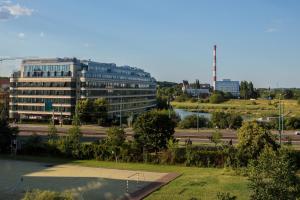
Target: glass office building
{"x": 64, "y": 81}
{"x": 227, "y": 85}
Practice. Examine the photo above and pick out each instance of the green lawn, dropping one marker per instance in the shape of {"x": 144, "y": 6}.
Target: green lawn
{"x": 199, "y": 183}
{"x": 255, "y": 108}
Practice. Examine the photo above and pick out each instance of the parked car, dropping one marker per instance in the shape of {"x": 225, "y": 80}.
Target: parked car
{"x": 297, "y": 133}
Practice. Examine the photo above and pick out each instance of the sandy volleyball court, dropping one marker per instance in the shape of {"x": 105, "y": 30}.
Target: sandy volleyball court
{"x": 17, "y": 177}
{"x": 92, "y": 172}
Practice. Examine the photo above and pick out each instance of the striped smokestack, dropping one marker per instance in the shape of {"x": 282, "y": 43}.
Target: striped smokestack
{"x": 215, "y": 66}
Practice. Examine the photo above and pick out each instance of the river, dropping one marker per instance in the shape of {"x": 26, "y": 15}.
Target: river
{"x": 184, "y": 113}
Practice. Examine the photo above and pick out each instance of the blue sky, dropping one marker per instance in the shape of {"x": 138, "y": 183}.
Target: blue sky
{"x": 257, "y": 40}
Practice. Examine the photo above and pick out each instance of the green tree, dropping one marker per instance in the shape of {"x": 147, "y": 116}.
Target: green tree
{"x": 273, "y": 176}
{"x": 116, "y": 136}
{"x": 162, "y": 103}
{"x": 191, "y": 122}
{"x": 7, "y": 135}
{"x": 115, "y": 140}
{"x": 85, "y": 109}
{"x": 92, "y": 111}
{"x": 216, "y": 98}
{"x": 226, "y": 120}
{"x": 288, "y": 94}
{"x": 216, "y": 137}
{"x": 153, "y": 129}
{"x": 244, "y": 90}
{"x": 219, "y": 120}
{"x": 52, "y": 132}
{"x": 252, "y": 139}
{"x": 234, "y": 121}
{"x": 100, "y": 111}
{"x": 70, "y": 144}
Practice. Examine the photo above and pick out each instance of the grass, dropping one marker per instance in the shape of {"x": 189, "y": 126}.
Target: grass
{"x": 257, "y": 108}
{"x": 198, "y": 183}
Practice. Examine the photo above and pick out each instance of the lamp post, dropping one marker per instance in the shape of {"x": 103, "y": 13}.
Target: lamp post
{"x": 120, "y": 112}
{"x": 281, "y": 118}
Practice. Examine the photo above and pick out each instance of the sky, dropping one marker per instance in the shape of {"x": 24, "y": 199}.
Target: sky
{"x": 257, "y": 40}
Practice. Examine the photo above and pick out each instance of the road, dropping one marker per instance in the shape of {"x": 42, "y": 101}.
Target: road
{"x": 92, "y": 133}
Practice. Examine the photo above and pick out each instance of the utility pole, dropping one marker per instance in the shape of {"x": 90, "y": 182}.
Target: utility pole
{"x": 198, "y": 114}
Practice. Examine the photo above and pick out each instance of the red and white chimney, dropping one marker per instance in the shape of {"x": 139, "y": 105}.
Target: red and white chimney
{"x": 215, "y": 66}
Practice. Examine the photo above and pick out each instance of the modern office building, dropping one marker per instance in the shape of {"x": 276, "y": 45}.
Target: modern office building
{"x": 61, "y": 82}
{"x": 227, "y": 85}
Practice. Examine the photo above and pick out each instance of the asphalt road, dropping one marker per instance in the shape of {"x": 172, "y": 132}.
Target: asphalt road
{"x": 92, "y": 133}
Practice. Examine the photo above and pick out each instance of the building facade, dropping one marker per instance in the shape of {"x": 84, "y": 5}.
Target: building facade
{"x": 227, "y": 85}
{"x": 196, "y": 90}
{"x": 63, "y": 81}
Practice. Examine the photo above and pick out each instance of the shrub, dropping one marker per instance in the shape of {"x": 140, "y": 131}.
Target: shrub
{"x": 216, "y": 98}
{"x": 191, "y": 122}
{"x": 46, "y": 195}
{"x": 34, "y": 145}
{"x": 7, "y": 134}
{"x": 273, "y": 176}
{"x": 252, "y": 139}
{"x": 292, "y": 123}
{"x": 225, "y": 196}
{"x": 216, "y": 137}
{"x": 226, "y": 120}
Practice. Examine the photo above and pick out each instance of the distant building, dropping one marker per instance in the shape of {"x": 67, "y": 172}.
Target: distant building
{"x": 196, "y": 90}
{"x": 227, "y": 85}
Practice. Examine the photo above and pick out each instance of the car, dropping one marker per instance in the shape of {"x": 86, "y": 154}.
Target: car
{"x": 297, "y": 133}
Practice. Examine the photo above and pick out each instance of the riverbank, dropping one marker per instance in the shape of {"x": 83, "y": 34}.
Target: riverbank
{"x": 251, "y": 109}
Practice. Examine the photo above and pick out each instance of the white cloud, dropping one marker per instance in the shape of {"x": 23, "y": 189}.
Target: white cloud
{"x": 271, "y": 30}
{"x": 9, "y": 10}
{"x": 21, "y": 35}
{"x": 86, "y": 45}
{"x": 42, "y": 34}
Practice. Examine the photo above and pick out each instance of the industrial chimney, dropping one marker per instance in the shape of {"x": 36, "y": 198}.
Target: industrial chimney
{"x": 215, "y": 67}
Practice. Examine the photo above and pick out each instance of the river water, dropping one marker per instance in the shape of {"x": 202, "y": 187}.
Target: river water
{"x": 184, "y": 113}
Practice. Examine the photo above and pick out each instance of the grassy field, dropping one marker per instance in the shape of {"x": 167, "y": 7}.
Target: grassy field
{"x": 197, "y": 183}
{"x": 257, "y": 108}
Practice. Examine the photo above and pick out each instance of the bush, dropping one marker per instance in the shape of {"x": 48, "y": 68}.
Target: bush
{"x": 34, "y": 145}
{"x": 226, "y": 120}
{"x": 216, "y": 98}
{"x": 292, "y": 123}
{"x": 273, "y": 176}
{"x": 182, "y": 98}
{"x": 46, "y": 195}
{"x": 252, "y": 140}
{"x": 225, "y": 196}
{"x": 7, "y": 134}
{"x": 191, "y": 122}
